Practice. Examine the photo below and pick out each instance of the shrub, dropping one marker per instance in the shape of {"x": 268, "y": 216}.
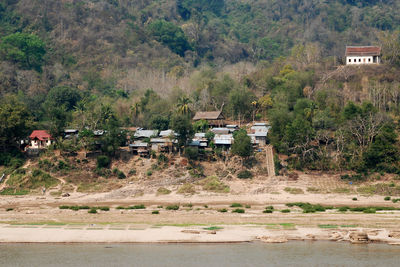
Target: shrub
{"x": 103, "y": 162}
{"x": 132, "y": 172}
{"x": 121, "y": 175}
{"x": 120, "y": 208}
{"x": 172, "y": 207}
{"x": 75, "y": 208}
{"x": 238, "y": 211}
{"x": 387, "y": 198}
{"x": 187, "y": 189}
{"x": 63, "y": 207}
{"x": 369, "y": 210}
{"x": 149, "y": 173}
{"x": 214, "y": 184}
{"x": 343, "y": 209}
{"x": 9, "y": 209}
{"x": 247, "y": 206}
{"x": 163, "y": 191}
{"x": 92, "y": 210}
{"x": 222, "y": 210}
{"x": 236, "y": 205}
{"x": 285, "y": 211}
{"x": 268, "y": 211}
{"x": 155, "y": 212}
{"x": 269, "y": 207}
{"x": 245, "y": 174}
{"x": 192, "y": 153}
{"x": 206, "y": 206}
{"x": 354, "y": 199}
{"x": 104, "y": 208}
{"x": 62, "y": 165}
{"x": 84, "y": 207}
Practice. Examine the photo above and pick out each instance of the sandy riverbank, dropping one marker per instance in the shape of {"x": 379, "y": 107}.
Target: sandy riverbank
{"x": 191, "y": 234}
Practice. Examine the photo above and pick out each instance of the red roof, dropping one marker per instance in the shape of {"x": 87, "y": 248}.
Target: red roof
{"x": 41, "y": 135}
{"x": 363, "y": 51}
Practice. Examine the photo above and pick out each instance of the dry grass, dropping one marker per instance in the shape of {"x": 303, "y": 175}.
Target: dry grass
{"x": 294, "y": 190}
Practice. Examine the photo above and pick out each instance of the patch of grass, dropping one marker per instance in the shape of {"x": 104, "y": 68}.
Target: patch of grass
{"x": 189, "y": 205}
{"x": 187, "y": 189}
{"x": 313, "y": 190}
{"x": 222, "y": 210}
{"x": 137, "y": 207}
{"x": 63, "y": 207}
{"x": 163, "y": 191}
{"x": 341, "y": 190}
{"x": 213, "y": 228}
{"x": 236, "y": 205}
{"x": 155, "y": 212}
{"x": 348, "y": 225}
{"x": 120, "y": 208}
{"x": 328, "y": 226}
{"x": 247, "y": 206}
{"x": 294, "y": 190}
{"x": 14, "y": 192}
{"x": 172, "y": 207}
{"x": 370, "y": 210}
{"x": 285, "y": 211}
{"x": 380, "y": 189}
{"x": 214, "y": 184}
{"x": 238, "y": 211}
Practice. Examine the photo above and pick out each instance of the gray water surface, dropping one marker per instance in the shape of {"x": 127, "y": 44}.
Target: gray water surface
{"x": 209, "y": 255}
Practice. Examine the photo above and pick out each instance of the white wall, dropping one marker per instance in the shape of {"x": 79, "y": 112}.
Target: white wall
{"x": 357, "y": 60}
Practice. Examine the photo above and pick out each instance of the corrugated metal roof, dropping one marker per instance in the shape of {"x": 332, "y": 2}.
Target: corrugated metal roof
{"x": 220, "y": 130}
{"x": 167, "y": 133}
{"x": 145, "y": 133}
{"x": 138, "y": 144}
{"x": 363, "y": 50}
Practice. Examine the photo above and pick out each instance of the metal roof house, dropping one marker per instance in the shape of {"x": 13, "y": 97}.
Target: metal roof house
{"x": 363, "y": 55}
{"x": 259, "y": 131}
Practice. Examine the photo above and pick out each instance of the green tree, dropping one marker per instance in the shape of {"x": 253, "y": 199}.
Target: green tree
{"x": 183, "y": 105}
{"x": 170, "y": 35}
{"x": 25, "y": 49}
{"x": 15, "y": 123}
{"x": 182, "y": 125}
{"x": 383, "y": 153}
{"x": 242, "y": 144}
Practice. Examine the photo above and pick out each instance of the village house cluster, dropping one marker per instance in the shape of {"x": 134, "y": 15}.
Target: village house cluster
{"x": 142, "y": 141}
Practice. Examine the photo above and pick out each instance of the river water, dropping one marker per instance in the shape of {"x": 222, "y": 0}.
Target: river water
{"x": 209, "y": 255}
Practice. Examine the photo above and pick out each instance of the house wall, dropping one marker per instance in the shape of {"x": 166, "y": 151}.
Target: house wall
{"x": 40, "y": 144}
{"x": 360, "y": 60}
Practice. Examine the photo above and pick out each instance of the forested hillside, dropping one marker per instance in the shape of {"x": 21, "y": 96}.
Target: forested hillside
{"x": 94, "y": 64}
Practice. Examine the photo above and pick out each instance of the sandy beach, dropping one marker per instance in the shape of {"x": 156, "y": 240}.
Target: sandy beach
{"x": 39, "y": 219}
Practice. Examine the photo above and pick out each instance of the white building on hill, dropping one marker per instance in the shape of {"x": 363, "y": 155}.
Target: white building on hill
{"x": 360, "y": 55}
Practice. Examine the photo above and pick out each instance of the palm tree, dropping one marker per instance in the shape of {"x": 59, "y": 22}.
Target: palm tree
{"x": 183, "y": 105}
{"x": 135, "y": 109}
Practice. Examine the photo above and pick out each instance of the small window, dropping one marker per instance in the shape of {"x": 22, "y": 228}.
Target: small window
{"x": 355, "y": 60}
{"x": 359, "y": 60}
{"x": 369, "y": 60}
{"x": 349, "y": 60}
